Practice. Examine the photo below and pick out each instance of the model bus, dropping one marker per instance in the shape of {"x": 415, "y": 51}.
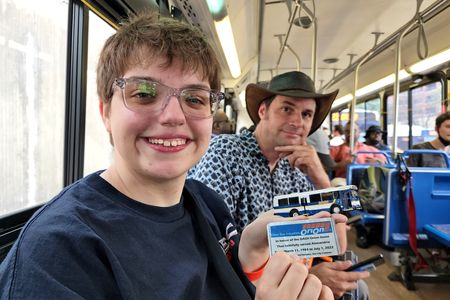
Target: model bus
{"x": 334, "y": 200}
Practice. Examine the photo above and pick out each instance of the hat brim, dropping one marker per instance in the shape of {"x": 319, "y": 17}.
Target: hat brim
{"x": 255, "y": 94}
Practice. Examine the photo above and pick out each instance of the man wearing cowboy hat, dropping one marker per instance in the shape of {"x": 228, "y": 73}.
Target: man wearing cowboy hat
{"x": 249, "y": 169}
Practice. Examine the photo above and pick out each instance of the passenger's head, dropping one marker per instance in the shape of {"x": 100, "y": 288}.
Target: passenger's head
{"x": 373, "y": 135}
{"x": 347, "y": 131}
{"x": 338, "y": 130}
{"x": 147, "y": 37}
{"x": 155, "y": 77}
{"x": 288, "y": 108}
{"x": 443, "y": 127}
{"x": 221, "y": 123}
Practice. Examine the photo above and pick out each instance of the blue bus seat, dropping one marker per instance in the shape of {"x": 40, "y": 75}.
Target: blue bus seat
{"x": 355, "y": 173}
{"x": 431, "y": 191}
{"x": 440, "y": 232}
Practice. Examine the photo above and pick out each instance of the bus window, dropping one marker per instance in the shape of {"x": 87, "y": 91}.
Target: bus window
{"x": 303, "y": 201}
{"x": 427, "y": 106}
{"x": 33, "y": 47}
{"x": 98, "y": 150}
{"x": 402, "y": 126}
{"x": 293, "y": 200}
{"x": 283, "y": 202}
{"x": 315, "y": 198}
{"x": 327, "y": 196}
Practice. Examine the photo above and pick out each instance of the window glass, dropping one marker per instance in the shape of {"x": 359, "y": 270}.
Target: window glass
{"x": 33, "y": 40}
{"x": 98, "y": 150}
{"x": 402, "y": 125}
{"x": 283, "y": 202}
{"x": 294, "y": 200}
{"x": 427, "y": 106}
{"x": 368, "y": 113}
{"x": 373, "y": 110}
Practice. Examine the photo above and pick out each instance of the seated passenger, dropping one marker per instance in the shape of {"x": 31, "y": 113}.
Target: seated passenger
{"x": 250, "y": 169}
{"x": 221, "y": 123}
{"x": 342, "y": 156}
{"x": 139, "y": 230}
{"x": 319, "y": 140}
{"x": 338, "y": 135}
{"x": 441, "y": 142}
{"x": 373, "y": 138}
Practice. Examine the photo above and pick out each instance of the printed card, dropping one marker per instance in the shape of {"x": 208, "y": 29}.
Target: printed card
{"x": 305, "y": 238}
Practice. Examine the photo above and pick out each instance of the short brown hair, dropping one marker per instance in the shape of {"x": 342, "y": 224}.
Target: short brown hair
{"x": 442, "y": 118}
{"x": 147, "y": 36}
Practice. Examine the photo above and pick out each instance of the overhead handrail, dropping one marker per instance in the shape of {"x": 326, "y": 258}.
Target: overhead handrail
{"x": 311, "y": 14}
{"x": 433, "y": 10}
{"x": 355, "y": 88}
{"x": 297, "y": 58}
{"x": 398, "y": 60}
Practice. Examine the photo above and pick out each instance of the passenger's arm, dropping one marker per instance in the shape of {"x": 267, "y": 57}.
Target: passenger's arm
{"x": 305, "y": 158}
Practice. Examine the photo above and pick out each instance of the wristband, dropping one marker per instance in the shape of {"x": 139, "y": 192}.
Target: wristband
{"x": 255, "y": 275}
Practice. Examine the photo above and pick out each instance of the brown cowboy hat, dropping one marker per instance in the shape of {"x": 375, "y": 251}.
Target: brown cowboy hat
{"x": 292, "y": 84}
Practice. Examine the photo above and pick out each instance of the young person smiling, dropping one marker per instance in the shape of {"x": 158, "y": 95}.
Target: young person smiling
{"x": 139, "y": 229}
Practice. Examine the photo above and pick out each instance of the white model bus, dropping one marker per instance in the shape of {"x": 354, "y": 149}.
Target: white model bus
{"x": 334, "y": 200}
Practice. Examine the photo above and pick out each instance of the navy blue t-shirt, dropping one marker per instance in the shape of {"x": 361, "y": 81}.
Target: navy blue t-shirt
{"x": 93, "y": 242}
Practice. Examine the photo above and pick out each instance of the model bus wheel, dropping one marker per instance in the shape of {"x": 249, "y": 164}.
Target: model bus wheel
{"x": 335, "y": 209}
{"x": 293, "y": 213}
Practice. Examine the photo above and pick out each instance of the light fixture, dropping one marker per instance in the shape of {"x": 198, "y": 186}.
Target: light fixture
{"x": 385, "y": 81}
{"x": 380, "y": 83}
{"x": 342, "y": 100}
{"x": 225, "y": 32}
{"x": 430, "y": 62}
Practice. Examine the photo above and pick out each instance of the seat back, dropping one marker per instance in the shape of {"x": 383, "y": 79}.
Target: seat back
{"x": 431, "y": 192}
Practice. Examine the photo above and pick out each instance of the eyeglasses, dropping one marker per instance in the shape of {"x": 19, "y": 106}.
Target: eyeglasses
{"x": 141, "y": 95}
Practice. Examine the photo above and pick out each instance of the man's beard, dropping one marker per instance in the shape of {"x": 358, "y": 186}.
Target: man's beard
{"x": 443, "y": 141}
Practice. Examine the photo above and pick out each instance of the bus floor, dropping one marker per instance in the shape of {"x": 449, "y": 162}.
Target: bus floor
{"x": 380, "y": 287}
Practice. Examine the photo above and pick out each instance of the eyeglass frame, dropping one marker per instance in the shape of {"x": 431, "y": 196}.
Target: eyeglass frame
{"x": 214, "y": 96}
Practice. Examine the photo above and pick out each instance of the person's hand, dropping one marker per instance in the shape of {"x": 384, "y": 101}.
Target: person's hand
{"x": 254, "y": 246}
{"x": 286, "y": 277}
{"x": 332, "y": 274}
{"x": 305, "y": 158}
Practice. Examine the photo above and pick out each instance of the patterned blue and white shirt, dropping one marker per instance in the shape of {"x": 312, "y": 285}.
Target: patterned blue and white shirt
{"x": 235, "y": 168}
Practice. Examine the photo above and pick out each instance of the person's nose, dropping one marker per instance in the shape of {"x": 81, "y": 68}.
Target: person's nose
{"x": 172, "y": 112}
{"x": 296, "y": 120}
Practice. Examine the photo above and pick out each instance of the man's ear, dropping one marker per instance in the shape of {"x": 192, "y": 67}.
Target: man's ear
{"x": 105, "y": 111}
{"x": 262, "y": 110}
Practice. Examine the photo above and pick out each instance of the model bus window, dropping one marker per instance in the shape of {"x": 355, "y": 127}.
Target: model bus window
{"x": 315, "y": 198}
{"x": 328, "y": 196}
{"x": 283, "y": 202}
{"x": 294, "y": 200}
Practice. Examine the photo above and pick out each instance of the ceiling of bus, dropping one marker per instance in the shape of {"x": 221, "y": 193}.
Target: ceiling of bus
{"x": 344, "y": 27}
